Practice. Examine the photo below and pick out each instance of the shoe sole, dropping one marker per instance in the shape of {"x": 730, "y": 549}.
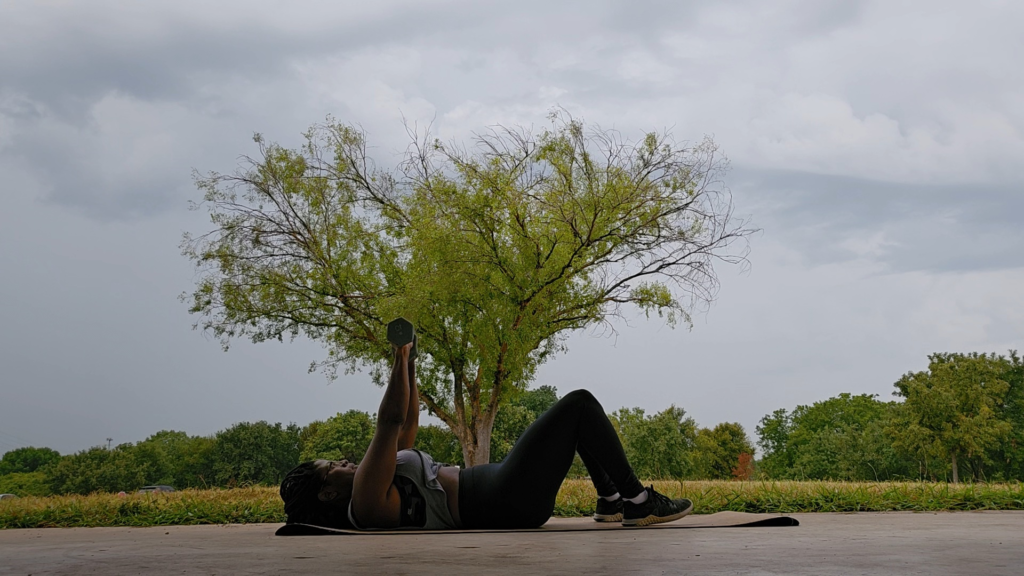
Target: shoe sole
{"x": 652, "y": 519}
{"x": 608, "y": 517}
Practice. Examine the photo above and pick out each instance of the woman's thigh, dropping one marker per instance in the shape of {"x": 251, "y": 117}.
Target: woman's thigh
{"x": 542, "y": 456}
{"x": 520, "y": 491}
{"x": 490, "y": 499}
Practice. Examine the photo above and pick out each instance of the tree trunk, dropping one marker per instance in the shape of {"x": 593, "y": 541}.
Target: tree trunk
{"x": 471, "y": 418}
{"x": 956, "y": 474}
{"x": 477, "y": 447}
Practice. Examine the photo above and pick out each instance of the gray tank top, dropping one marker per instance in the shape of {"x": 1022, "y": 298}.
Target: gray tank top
{"x": 417, "y": 469}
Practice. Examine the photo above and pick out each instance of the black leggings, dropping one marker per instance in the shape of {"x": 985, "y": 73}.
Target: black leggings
{"x": 520, "y": 491}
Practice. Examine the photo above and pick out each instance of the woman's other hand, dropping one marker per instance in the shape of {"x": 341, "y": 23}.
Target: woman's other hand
{"x": 402, "y": 352}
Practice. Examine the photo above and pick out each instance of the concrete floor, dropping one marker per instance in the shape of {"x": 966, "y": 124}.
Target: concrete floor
{"x": 865, "y": 543}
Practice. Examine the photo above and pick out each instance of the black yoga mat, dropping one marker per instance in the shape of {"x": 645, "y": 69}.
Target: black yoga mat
{"x": 718, "y": 520}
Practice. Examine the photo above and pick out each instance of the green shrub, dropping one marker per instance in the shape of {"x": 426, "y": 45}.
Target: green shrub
{"x": 24, "y": 484}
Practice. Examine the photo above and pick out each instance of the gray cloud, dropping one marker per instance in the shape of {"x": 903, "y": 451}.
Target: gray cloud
{"x": 74, "y": 79}
{"x": 906, "y": 227}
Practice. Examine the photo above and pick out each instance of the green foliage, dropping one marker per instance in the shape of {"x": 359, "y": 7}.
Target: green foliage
{"x": 773, "y": 439}
{"x": 516, "y": 415}
{"x": 195, "y": 462}
{"x": 177, "y": 459}
{"x": 841, "y": 438}
{"x": 255, "y": 453}
{"x": 965, "y": 414}
{"x": 659, "y": 446}
{"x": 29, "y": 459}
{"x": 1007, "y": 459}
{"x": 953, "y": 410}
{"x": 717, "y": 451}
{"x": 495, "y": 253}
{"x": 25, "y": 484}
{"x": 243, "y": 454}
{"x": 537, "y": 400}
{"x": 440, "y": 443}
{"x": 167, "y": 457}
{"x": 512, "y": 420}
{"x": 98, "y": 470}
{"x": 343, "y": 436}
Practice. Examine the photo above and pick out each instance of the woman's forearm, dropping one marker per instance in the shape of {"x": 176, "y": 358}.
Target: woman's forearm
{"x": 407, "y": 437}
{"x": 412, "y": 417}
{"x": 395, "y": 405}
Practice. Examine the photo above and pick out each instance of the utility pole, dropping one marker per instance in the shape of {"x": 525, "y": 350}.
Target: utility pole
{"x": 109, "y": 440}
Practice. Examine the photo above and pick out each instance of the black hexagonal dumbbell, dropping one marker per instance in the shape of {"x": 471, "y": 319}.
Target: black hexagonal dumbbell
{"x": 401, "y": 332}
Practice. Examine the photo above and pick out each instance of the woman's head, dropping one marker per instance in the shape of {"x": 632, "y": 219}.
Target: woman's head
{"x": 318, "y": 492}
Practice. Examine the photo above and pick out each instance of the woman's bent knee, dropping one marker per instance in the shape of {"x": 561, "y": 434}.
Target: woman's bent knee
{"x": 584, "y": 399}
{"x": 582, "y": 395}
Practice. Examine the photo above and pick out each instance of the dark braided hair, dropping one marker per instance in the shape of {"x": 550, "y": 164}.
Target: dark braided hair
{"x": 300, "y": 491}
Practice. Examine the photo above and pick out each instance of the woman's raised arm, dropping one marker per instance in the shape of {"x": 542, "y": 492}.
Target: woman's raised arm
{"x": 407, "y": 437}
{"x": 375, "y": 501}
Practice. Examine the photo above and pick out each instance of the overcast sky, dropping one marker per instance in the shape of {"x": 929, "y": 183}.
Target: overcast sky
{"x": 877, "y": 144}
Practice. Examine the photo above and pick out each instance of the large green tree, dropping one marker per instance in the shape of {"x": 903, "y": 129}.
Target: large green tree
{"x": 99, "y": 470}
{"x": 658, "y": 446}
{"x": 952, "y": 410}
{"x": 496, "y": 251}
{"x": 28, "y": 459}
{"x": 1008, "y": 457}
{"x": 177, "y": 459}
{"x": 717, "y": 450}
{"x": 255, "y": 453}
{"x": 342, "y": 436}
{"x": 773, "y": 438}
{"x": 840, "y": 438}
{"x": 516, "y": 415}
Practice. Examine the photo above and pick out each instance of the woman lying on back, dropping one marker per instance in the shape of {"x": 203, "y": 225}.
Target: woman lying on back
{"x": 396, "y": 486}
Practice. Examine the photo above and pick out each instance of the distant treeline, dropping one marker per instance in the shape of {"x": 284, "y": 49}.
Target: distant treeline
{"x": 961, "y": 418}
{"x": 666, "y": 445}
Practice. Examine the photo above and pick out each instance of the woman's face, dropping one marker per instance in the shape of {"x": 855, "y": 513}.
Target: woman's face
{"x": 337, "y": 477}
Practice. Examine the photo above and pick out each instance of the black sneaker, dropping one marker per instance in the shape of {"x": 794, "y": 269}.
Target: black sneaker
{"x": 657, "y": 509}
{"x": 608, "y": 511}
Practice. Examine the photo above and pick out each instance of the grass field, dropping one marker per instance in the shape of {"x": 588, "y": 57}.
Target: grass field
{"x": 261, "y": 504}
